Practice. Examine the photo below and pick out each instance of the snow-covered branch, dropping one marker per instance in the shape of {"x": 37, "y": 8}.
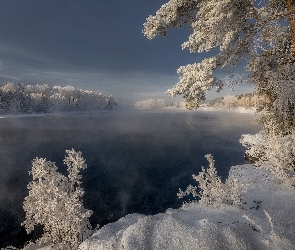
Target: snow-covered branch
{"x": 173, "y": 14}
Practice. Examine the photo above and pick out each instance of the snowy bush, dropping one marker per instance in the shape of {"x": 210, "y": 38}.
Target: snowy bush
{"x": 255, "y": 145}
{"x": 212, "y": 190}
{"x": 275, "y": 240}
{"x": 54, "y": 201}
{"x": 281, "y": 153}
{"x": 276, "y": 153}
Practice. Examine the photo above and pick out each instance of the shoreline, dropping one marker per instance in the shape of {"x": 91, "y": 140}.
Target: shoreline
{"x": 261, "y": 223}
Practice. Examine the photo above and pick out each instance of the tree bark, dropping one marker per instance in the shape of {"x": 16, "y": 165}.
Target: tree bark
{"x": 292, "y": 25}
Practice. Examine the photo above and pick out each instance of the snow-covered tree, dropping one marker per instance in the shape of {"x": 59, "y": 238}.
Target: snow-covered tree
{"x": 55, "y": 202}
{"x": 241, "y": 29}
{"x": 262, "y": 33}
{"x": 150, "y": 104}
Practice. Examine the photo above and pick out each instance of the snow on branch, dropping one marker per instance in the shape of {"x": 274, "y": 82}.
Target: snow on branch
{"x": 219, "y": 23}
{"x": 195, "y": 80}
{"x": 173, "y": 14}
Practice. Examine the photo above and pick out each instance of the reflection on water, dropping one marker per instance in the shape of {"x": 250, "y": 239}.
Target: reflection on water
{"x": 136, "y": 160}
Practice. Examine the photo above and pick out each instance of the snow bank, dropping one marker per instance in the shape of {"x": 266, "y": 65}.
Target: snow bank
{"x": 202, "y": 227}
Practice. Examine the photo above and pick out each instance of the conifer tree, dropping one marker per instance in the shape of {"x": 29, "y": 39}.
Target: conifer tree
{"x": 262, "y": 33}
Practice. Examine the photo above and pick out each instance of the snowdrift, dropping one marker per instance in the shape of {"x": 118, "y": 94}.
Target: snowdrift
{"x": 265, "y": 221}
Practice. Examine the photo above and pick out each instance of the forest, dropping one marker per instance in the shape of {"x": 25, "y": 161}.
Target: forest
{"x": 19, "y": 98}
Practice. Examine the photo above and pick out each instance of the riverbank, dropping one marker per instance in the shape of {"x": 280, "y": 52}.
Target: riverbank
{"x": 265, "y": 221}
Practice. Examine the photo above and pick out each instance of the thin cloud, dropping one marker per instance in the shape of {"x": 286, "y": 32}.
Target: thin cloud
{"x": 9, "y": 77}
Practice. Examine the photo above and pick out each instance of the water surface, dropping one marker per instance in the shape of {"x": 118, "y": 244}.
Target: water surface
{"x": 136, "y": 160}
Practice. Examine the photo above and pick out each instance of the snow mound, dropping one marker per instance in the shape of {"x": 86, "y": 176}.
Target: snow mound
{"x": 201, "y": 227}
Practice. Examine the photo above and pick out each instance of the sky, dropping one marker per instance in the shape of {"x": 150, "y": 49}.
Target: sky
{"x": 92, "y": 44}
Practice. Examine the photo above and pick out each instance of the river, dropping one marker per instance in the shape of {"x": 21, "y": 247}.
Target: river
{"x": 136, "y": 159}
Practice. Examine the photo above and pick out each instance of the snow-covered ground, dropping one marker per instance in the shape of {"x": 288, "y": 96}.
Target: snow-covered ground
{"x": 270, "y": 224}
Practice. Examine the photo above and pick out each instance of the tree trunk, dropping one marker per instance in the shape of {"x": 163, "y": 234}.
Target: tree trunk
{"x": 292, "y": 26}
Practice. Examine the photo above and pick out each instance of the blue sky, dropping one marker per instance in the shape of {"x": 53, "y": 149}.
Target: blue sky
{"x": 92, "y": 44}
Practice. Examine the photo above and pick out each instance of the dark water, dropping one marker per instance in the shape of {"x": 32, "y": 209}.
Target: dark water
{"x": 136, "y": 160}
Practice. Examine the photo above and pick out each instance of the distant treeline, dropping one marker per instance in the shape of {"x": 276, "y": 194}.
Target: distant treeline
{"x": 18, "y": 98}
{"x": 243, "y": 100}
{"x": 150, "y": 104}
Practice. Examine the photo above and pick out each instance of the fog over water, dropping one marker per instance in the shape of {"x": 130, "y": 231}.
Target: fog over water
{"x": 136, "y": 159}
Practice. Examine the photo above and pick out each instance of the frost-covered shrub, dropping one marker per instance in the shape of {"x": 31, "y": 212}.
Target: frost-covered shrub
{"x": 54, "y": 201}
{"x": 281, "y": 152}
{"x": 275, "y": 239}
{"x": 255, "y": 145}
{"x": 212, "y": 190}
{"x": 277, "y": 153}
